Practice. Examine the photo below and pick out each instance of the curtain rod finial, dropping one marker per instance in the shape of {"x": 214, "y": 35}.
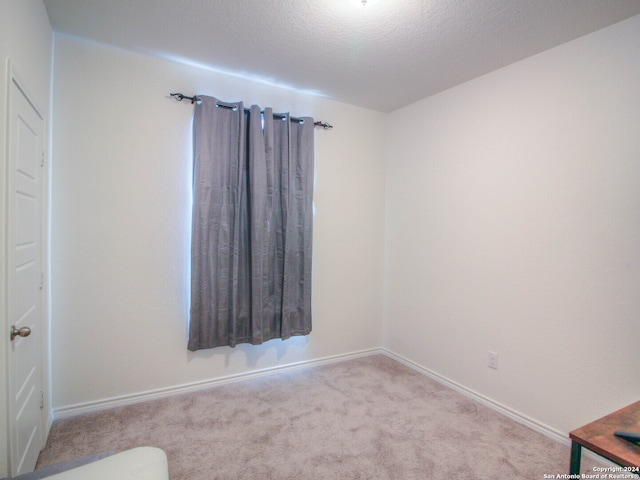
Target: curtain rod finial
{"x": 179, "y": 97}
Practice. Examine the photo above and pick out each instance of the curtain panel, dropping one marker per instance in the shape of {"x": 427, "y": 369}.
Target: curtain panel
{"x": 252, "y": 225}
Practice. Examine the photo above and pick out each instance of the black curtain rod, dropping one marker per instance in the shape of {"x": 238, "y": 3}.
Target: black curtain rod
{"x": 195, "y": 99}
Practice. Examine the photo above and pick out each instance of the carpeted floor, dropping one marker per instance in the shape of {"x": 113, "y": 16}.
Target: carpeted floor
{"x": 368, "y": 418}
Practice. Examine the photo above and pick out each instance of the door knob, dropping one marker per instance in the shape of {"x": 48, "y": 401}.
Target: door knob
{"x": 19, "y": 332}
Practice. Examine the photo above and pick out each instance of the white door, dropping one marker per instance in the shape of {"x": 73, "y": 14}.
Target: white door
{"x": 24, "y": 278}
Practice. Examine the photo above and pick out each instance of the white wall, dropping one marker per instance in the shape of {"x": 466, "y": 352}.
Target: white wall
{"x": 121, "y": 225}
{"x": 26, "y": 41}
{"x": 513, "y": 225}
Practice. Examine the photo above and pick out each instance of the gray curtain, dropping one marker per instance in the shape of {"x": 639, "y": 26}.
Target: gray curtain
{"x": 252, "y": 225}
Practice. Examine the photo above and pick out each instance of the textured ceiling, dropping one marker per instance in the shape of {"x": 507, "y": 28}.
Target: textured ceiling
{"x": 383, "y": 56}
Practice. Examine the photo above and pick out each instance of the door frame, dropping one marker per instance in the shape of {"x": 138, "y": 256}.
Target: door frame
{"x": 45, "y": 417}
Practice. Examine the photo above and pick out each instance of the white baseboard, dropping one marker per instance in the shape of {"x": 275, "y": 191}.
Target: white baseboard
{"x": 487, "y": 402}
{"x": 112, "y": 402}
{"x": 514, "y": 415}
{"x": 104, "y": 404}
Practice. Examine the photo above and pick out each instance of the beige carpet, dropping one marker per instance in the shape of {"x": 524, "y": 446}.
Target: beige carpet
{"x": 368, "y": 418}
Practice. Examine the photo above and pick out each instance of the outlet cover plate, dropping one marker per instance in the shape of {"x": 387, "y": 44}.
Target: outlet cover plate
{"x": 493, "y": 360}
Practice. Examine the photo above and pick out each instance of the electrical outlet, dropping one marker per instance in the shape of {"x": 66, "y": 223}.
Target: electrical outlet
{"x": 493, "y": 360}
